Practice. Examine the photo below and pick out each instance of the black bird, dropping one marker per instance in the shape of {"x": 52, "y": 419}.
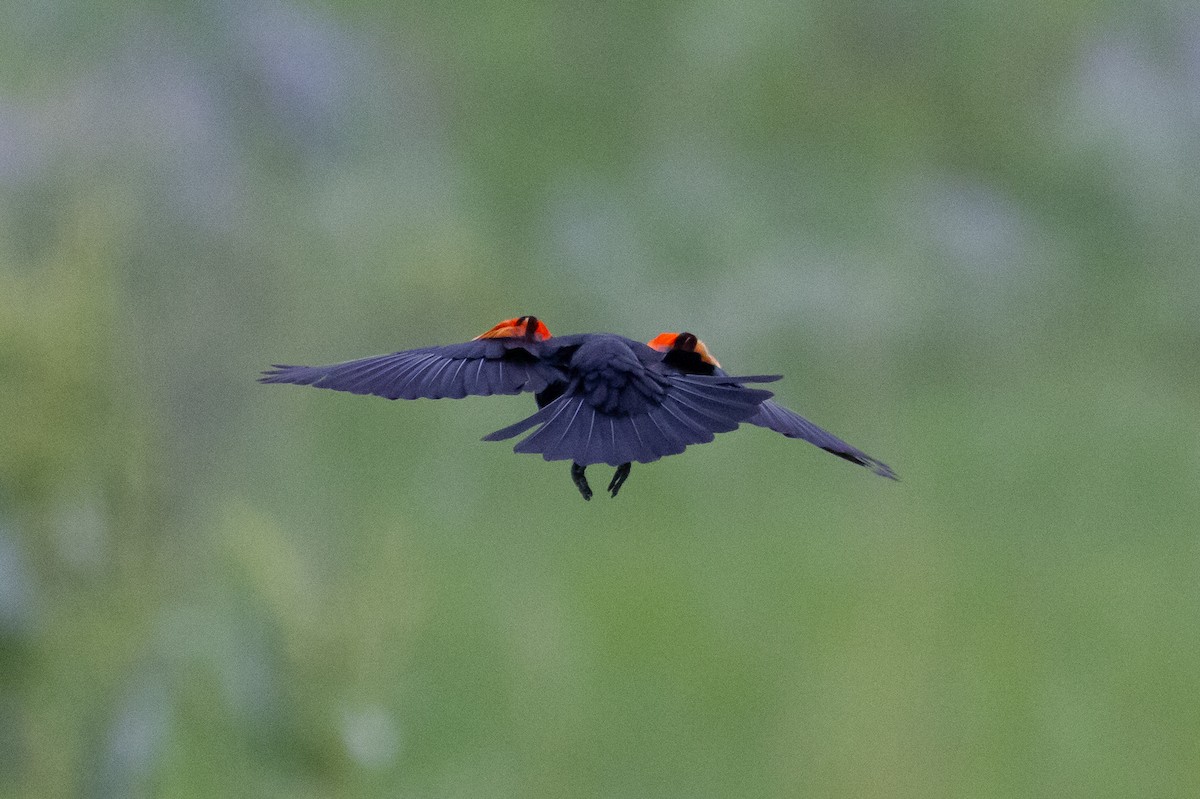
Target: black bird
{"x": 601, "y": 398}
{"x": 687, "y": 355}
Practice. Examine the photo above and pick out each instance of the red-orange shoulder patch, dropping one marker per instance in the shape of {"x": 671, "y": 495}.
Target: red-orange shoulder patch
{"x": 664, "y": 342}
{"x": 527, "y": 327}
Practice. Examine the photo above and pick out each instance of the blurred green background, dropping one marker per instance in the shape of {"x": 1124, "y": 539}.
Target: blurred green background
{"x": 966, "y": 233}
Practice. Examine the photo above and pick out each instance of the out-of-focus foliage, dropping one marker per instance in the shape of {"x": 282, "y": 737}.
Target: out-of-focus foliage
{"x": 967, "y": 234}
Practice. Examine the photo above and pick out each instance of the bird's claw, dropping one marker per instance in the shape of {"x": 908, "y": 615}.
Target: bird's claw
{"x": 577, "y": 474}
{"x": 618, "y": 478}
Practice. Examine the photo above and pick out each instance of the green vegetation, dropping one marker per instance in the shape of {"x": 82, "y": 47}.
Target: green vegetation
{"x": 968, "y": 237}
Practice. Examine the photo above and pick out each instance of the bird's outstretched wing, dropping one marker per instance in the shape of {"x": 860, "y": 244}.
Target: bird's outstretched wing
{"x": 505, "y": 360}
{"x": 691, "y": 410}
{"x": 793, "y": 425}
{"x": 685, "y": 353}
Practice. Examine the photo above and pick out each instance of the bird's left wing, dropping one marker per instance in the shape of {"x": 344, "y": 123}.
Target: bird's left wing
{"x": 791, "y": 424}
{"x": 508, "y": 359}
{"x": 685, "y": 353}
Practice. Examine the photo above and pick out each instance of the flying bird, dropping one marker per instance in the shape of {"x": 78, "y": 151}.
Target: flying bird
{"x": 601, "y": 398}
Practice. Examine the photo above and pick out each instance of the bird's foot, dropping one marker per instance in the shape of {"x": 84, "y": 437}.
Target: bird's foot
{"x": 577, "y": 474}
{"x": 619, "y": 477}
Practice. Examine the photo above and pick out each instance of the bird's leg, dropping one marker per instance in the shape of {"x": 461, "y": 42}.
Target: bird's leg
{"x": 619, "y": 476}
{"x": 577, "y": 474}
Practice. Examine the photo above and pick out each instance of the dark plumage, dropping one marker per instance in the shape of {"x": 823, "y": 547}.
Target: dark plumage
{"x": 601, "y": 398}
{"x": 687, "y": 354}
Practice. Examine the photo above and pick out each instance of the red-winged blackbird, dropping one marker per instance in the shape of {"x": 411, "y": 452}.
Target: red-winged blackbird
{"x": 601, "y": 398}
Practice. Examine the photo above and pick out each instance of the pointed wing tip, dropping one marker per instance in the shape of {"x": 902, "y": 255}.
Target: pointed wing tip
{"x": 883, "y": 470}
{"x": 281, "y": 373}
{"x": 862, "y": 459}
{"x": 273, "y": 374}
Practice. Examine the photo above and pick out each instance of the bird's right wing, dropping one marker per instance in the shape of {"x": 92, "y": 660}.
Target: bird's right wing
{"x": 793, "y": 425}
{"x": 691, "y": 410}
